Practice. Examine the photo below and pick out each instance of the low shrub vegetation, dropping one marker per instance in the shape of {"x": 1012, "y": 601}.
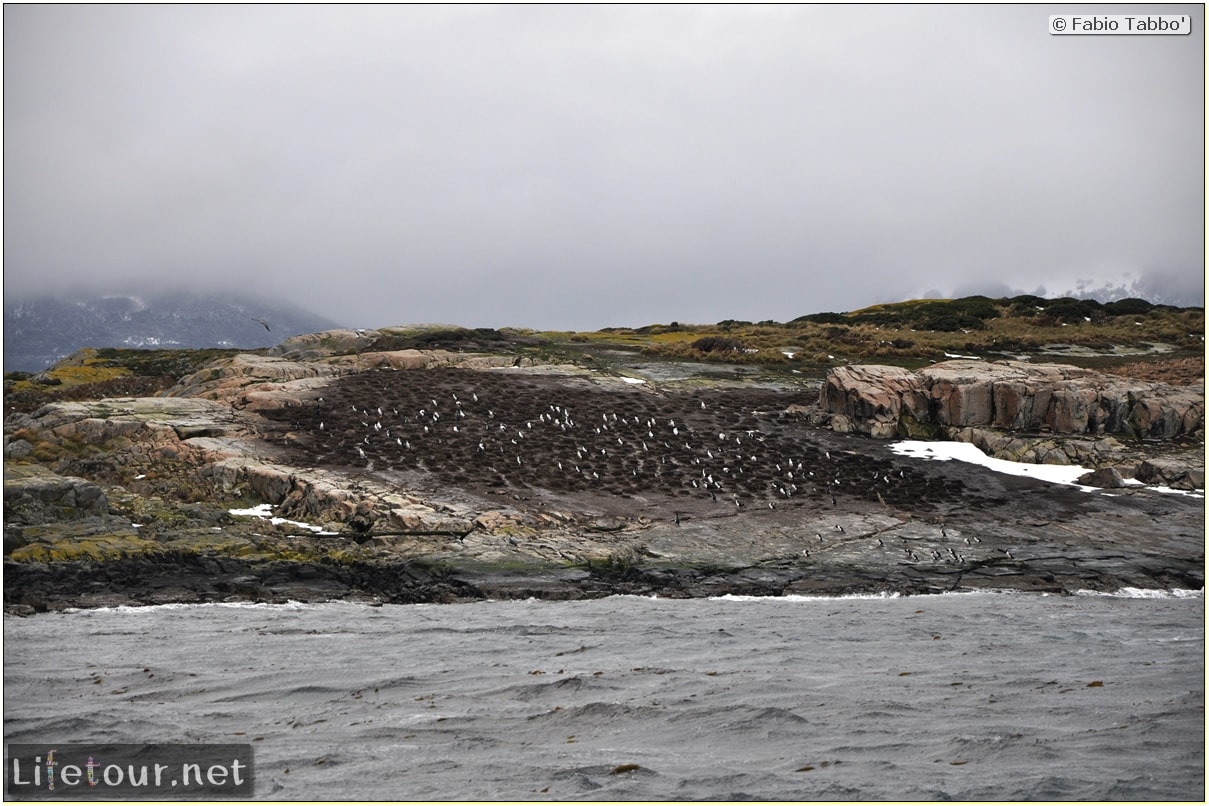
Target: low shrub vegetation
{"x": 918, "y": 331}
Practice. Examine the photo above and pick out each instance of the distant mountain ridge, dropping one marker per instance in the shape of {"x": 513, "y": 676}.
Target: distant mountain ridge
{"x": 38, "y": 331}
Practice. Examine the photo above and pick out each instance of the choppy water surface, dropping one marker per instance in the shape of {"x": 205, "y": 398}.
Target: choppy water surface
{"x": 967, "y": 697}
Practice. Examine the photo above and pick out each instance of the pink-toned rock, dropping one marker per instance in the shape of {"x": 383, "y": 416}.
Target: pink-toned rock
{"x": 887, "y": 401}
{"x": 245, "y": 377}
{"x": 872, "y": 398}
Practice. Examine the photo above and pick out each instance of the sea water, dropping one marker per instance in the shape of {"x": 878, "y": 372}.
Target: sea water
{"x": 966, "y": 697}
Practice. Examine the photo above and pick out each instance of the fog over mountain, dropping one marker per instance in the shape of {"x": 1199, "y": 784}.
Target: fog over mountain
{"x": 1159, "y": 287}
{"x": 40, "y": 330}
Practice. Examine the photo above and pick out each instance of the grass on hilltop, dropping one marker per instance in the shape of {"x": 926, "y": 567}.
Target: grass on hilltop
{"x": 920, "y": 331}
{"x": 90, "y": 374}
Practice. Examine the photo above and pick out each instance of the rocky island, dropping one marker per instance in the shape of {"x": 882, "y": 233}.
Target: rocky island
{"x": 408, "y": 465}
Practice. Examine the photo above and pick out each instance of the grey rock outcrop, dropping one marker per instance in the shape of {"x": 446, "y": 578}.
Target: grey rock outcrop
{"x": 1108, "y": 478}
{"x": 246, "y": 377}
{"x": 1170, "y": 473}
{"x": 35, "y": 495}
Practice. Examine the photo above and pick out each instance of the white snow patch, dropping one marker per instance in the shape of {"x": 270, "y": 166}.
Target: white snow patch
{"x": 265, "y": 511}
{"x": 965, "y": 452}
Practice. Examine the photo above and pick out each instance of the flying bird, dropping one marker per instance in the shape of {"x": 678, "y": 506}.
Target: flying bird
{"x": 263, "y": 322}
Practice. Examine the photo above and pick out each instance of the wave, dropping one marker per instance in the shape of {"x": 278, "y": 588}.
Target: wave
{"x": 880, "y": 595}
{"x": 1122, "y": 593}
{"x": 161, "y": 608}
{"x": 598, "y": 713}
{"x": 797, "y": 597}
{"x": 295, "y": 606}
{"x": 1146, "y": 593}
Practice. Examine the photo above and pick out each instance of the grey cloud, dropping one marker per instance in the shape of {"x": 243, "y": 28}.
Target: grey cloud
{"x": 579, "y": 167}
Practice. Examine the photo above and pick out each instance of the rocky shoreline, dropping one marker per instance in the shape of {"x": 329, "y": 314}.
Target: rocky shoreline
{"x": 1154, "y": 544}
{"x": 424, "y": 476}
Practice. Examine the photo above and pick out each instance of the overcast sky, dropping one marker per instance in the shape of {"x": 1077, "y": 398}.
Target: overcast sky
{"x": 577, "y": 167}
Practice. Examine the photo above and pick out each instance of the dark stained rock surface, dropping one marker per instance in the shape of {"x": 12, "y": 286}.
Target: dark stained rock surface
{"x": 622, "y": 448}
